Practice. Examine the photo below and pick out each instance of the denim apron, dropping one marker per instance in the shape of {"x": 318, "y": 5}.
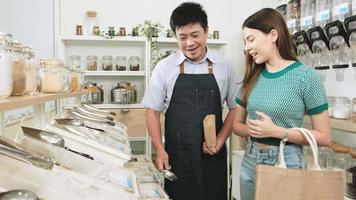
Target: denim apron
{"x": 200, "y": 176}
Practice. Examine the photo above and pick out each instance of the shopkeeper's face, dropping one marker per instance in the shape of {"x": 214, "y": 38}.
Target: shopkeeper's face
{"x": 259, "y": 45}
{"x": 192, "y": 41}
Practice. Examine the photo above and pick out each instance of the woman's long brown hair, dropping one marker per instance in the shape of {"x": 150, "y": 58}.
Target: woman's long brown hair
{"x": 265, "y": 20}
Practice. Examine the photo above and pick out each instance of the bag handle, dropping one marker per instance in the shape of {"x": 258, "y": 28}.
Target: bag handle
{"x": 313, "y": 145}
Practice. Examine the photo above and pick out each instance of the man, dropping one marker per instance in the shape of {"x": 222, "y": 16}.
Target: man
{"x": 187, "y": 86}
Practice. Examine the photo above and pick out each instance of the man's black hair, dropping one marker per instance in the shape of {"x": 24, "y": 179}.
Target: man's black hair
{"x": 188, "y": 13}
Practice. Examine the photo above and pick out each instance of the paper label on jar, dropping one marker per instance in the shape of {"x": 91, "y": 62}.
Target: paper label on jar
{"x": 292, "y": 23}
{"x": 323, "y": 15}
{"x": 341, "y": 9}
{"x": 308, "y": 20}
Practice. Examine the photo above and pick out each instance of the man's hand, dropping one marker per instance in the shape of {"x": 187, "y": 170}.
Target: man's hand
{"x": 161, "y": 160}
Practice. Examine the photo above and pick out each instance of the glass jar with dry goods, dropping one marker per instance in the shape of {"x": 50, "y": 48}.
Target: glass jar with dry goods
{"x": 120, "y": 63}
{"x": 74, "y": 61}
{"x": 351, "y": 175}
{"x": 92, "y": 63}
{"x": 53, "y": 76}
{"x": 32, "y": 71}
{"x": 6, "y": 67}
{"x": 74, "y": 79}
{"x": 342, "y": 108}
{"x": 18, "y": 69}
{"x": 341, "y": 9}
{"x": 95, "y": 94}
{"x": 134, "y": 63}
{"x": 293, "y": 16}
{"x": 119, "y": 94}
{"x": 106, "y": 63}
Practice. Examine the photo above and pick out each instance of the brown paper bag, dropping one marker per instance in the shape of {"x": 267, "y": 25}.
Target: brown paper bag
{"x": 278, "y": 183}
{"x": 209, "y": 130}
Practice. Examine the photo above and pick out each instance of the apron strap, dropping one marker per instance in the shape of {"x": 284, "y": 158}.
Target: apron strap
{"x": 210, "y": 67}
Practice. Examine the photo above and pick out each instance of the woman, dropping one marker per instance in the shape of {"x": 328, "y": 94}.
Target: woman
{"x": 277, "y": 91}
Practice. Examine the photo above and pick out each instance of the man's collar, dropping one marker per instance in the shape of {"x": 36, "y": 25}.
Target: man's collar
{"x": 208, "y": 56}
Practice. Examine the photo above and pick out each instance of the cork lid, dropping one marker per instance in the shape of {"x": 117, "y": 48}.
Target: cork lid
{"x": 353, "y": 153}
{"x": 342, "y": 149}
{"x": 91, "y": 13}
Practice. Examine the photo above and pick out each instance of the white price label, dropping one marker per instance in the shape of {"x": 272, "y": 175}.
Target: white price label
{"x": 323, "y": 15}
{"x": 292, "y": 23}
{"x": 341, "y": 9}
{"x": 306, "y": 21}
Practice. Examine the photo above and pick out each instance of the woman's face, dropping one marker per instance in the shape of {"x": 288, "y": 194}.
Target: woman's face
{"x": 260, "y": 46}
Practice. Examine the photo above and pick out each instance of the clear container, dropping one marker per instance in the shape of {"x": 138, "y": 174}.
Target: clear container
{"x": 32, "y": 71}
{"x": 92, "y": 63}
{"x": 6, "y": 67}
{"x": 74, "y": 61}
{"x": 282, "y": 9}
{"x": 18, "y": 69}
{"x": 341, "y": 9}
{"x": 323, "y": 157}
{"x": 308, "y": 155}
{"x": 53, "y": 76}
{"x": 323, "y": 12}
{"x": 351, "y": 175}
{"x": 303, "y": 48}
{"x": 90, "y": 21}
{"x": 342, "y": 108}
{"x": 307, "y": 14}
{"x": 322, "y": 71}
{"x": 74, "y": 79}
{"x": 339, "y": 71}
{"x": 106, "y": 63}
{"x": 293, "y": 16}
{"x": 134, "y": 63}
{"x": 354, "y": 109}
{"x": 340, "y": 157}
{"x": 321, "y": 52}
{"x": 120, "y": 63}
{"x": 331, "y": 103}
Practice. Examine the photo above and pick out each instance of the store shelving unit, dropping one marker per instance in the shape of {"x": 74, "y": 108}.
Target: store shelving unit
{"x": 340, "y": 124}
{"x": 38, "y": 103}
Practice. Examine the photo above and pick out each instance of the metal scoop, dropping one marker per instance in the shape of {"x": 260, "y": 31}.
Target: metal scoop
{"x": 18, "y": 195}
{"x": 81, "y": 116}
{"x": 168, "y": 175}
{"x": 92, "y": 114}
{"x": 98, "y": 110}
{"x": 50, "y": 137}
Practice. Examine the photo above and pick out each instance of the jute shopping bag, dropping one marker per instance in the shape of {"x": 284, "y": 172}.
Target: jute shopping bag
{"x": 279, "y": 183}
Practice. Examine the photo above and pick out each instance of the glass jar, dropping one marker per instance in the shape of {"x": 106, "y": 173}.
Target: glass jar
{"x": 339, "y": 159}
{"x": 134, "y": 63}
{"x": 6, "y": 67}
{"x": 92, "y": 63}
{"x": 95, "y": 94}
{"x": 106, "y": 63}
{"x": 354, "y": 109}
{"x": 32, "y": 82}
{"x": 342, "y": 108}
{"x": 308, "y": 155}
{"x": 120, "y": 63}
{"x": 293, "y": 16}
{"x": 74, "y": 61}
{"x": 74, "y": 80}
{"x": 282, "y": 9}
{"x": 90, "y": 21}
{"x": 323, "y": 157}
{"x": 18, "y": 69}
{"x": 322, "y": 71}
{"x": 351, "y": 176}
{"x": 323, "y": 12}
{"x": 331, "y": 102}
{"x": 122, "y": 31}
{"x": 119, "y": 94}
{"x": 339, "y": 71}
{"x": 96, "y": 30}
{"x": 307, "y": 14}
{"x": 53, "y": 76}
{"x": 341, "y": 9}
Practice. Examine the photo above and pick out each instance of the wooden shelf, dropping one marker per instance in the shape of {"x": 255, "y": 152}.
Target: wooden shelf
{"x": 340, "y": 124}
{"x": 114, "y": 73}
{"x": 14, "y": 102}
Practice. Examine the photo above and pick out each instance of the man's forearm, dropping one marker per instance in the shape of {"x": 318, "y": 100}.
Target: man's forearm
{"x": 154, "y": 128}
{"x": 226, "y": 129}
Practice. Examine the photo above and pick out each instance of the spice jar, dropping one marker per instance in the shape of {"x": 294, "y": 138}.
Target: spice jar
{"x": 111, "y": 31}
{"x": 32, "y": 82}
{"x": 96, "y": 30}
{"x": 354, "y": 109}
{"x": 120, "y": 63}
{"x": 6, "y": 67}
{"x": 18, "y": 69}
{"x": 351, "y": 176}
{"x": 74, "y": 61}
{"x": 331, "y": 102}
{"x": 79, "y": 30}
{"x": 92, "y": 63}
{"x": 106, "y": 63}
{"x": 122, "y": 31}
{"x": 134, "y": 63}
{"x": 53, "y": 76}
{"x": 342, "y": 108}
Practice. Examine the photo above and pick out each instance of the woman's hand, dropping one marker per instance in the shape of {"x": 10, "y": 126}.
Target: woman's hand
{"x": 262, "y": 128}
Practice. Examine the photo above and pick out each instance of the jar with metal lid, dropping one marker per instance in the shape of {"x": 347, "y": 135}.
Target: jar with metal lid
{"x": 74, "y": 61}
{"x": 95, "y": 94}
{"x": 354, "y": 109}
{"x": 32, "y": 71}
{"x": 351, "y": 175}
{"x": 342, "y": 108}
{"x": 92, "y": 63}
{"x": 120, "y": 63}
{"x": 18, "y": 69}
{"x": 331, "y": 102}
{"x": 106, "y": 63}
{"x": 134, "y": 63}
{"x": 6, "y": 67}
{"x": 53, "y": 76}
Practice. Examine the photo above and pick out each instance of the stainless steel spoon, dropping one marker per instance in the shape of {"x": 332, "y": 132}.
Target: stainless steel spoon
{"x": 168, "y": 175}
